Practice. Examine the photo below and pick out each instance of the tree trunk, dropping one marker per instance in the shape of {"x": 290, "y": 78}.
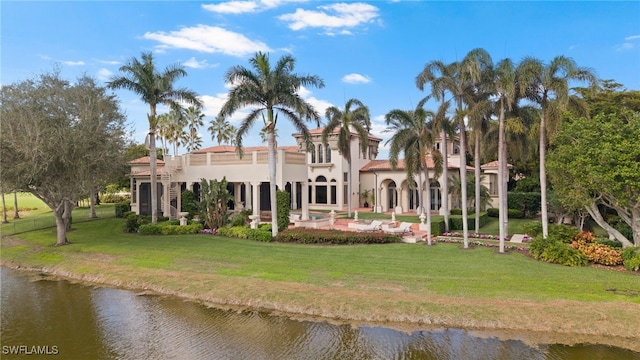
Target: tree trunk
{"x": 501, "y": 197}
{"x": 477, "y": 176}
{"x": 420, "y": 208}
{"x": 272, "y": 177}
{"x": 153, "y": 162}
{"x": 635, "y": 225}
{"x": 4, "y": 210}
{"x": 16, "y": 214}
{"x": 543, "y": 179}
{"x": 92, "y": 205}
{"x": 62, "y": 213}
{"x": 463, "y": 181}
{"x": 445, "y": 185}
{"x": 427, "y": 184}
{"x": 595, "y": 214}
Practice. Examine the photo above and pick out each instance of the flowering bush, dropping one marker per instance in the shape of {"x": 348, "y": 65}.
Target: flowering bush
{"x": 480, "y": 243}
{"x": 209, "y": 231}
{"x": 597, "y": 253}
{"x": 474, "y": 235}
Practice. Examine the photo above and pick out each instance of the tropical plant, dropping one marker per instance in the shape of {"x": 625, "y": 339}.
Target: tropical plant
{"x": 443, "y": 124}
{"x": 195, "y": 119}
{"x": 154, "y": 88}
{"x": 214, "y": 197}
{"x": 413, "y": 136}
{"x": 221, "y": 130}
{"x": 548, "y": 86}
{"x": 171, "y": 128}
{"x": 272, "y": 91}
{"x": 355, "y": 117}
{"x": 457, "y": 79}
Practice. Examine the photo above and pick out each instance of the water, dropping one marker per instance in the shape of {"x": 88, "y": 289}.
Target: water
{"x": 80, "y": 322}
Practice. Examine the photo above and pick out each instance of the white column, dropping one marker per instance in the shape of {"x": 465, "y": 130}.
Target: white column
{"x": 294, "y": 195}
{"x": 255, "y": 197}
{"x": 305, "y": 201}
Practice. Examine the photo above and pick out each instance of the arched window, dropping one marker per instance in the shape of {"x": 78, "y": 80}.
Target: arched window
{"x": 393, "y": 195}
{"x": 320, "y": 153}
{"x": 456, "y": 150}
{"x": 321, "y": 190}
{"x": 328, "y": 151}
{"x": 313, "y": 154}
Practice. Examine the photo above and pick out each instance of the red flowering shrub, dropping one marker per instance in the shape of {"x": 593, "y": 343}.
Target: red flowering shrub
{"x": 597, "y": 253}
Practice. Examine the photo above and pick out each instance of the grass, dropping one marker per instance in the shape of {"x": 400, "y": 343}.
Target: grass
{"x": 440, "y": 285}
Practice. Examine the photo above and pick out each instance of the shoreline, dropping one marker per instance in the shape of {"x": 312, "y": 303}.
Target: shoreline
{"x": 346, "y": 314}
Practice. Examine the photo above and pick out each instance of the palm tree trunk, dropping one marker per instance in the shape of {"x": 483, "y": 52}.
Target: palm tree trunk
{"x": 543, "y": 179}
{"x": 271, "y": 143}
{"x": 501, "y": 197}
{"x": 16, "y": 213}
{"x": 153, "y": 163}
{"x": 349, "y": 187}
{"x": 463, "y": 180}
{"x": 420, "y": 207}
{"x": 445, "y": 185}
{"x": 427, "y": 184}
{"x": 477, "y": 175}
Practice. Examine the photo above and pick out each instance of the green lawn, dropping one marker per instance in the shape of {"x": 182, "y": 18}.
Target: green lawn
{"x": 442, "y": 284}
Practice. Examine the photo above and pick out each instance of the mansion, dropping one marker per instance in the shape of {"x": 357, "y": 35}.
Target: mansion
{"x": 315, "y": 180}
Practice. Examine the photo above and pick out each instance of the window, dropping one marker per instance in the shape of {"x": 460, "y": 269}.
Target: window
{"x": 313, "y": 154}
{"x": 321, "y": 190}
{"x": 328, "y": 157}
{"x": 134, "y": 190}
{"x": 334, "y": 190}
{"x": 320, "y": 154}
{"x": 345, "y": 177}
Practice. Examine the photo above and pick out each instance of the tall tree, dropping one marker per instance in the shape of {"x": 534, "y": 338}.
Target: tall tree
{"x": 272, "y": 91}
{"x": 221, "y": 130}
{"x": 195, "y": 119}
{"x": 54, "y": 149}
{"x": 414, "y": 137}
{"x": 16, "y": 213}
{"x": 4, "y": 208}
{"x": 457, "y": 79}
{"x": 443, "y": 125}
{"x": 171, "y": 128}
{"x": 548, "y": 86}
{"x": 355, "y": 117}
{"x": 154, "y": 88}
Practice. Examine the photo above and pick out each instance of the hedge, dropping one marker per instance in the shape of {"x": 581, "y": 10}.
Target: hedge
{"x": 335, "y": 237}
{"x": 122, "y": 208}
{"x": 527, "y": 202}
{"x": 169, "y": 229}
{"x": 455, "y": 221}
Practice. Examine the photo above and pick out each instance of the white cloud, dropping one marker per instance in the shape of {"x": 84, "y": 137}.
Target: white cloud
{"x": 354, "y": 78}
{"x": 104, "y": 74}
{"x": 632, "y": 37}
{"x": 109, "y": 62}
{"x": 628, "y": 45}
{"x": 209, "y": 39}
{"x": 378, "y": 127}
{"x": 195, "y": 64}
{"x": 241, "y": 7}
{"x": 320, "y": 105}
{"x": 334, "y": 16}
{"x": 73, "y": 63}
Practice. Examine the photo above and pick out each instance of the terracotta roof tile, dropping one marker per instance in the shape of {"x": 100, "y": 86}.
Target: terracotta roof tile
{"x": 493, "y": 165}
{"x": 385, "y": 165}
{"x": 247, "y": 149}
{"x": 144, "y": 160}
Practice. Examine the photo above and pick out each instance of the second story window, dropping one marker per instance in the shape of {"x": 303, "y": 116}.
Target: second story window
{"x": 313, "y": 154}
{"x": 320, "y": 153}
{"x": 328, "y": 151}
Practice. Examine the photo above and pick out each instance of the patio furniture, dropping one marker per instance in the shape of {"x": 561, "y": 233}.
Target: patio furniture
{"x": 403, "y": 228}
{"x": 373, "y": 226}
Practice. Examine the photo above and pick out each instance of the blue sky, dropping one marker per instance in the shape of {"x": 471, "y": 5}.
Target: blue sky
{"x": 371, "y": 51}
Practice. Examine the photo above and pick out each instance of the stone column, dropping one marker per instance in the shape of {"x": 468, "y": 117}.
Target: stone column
{"x": 255, "y": 197}
{"x": 294, "y": 195}
{"x": 305, "y": 200}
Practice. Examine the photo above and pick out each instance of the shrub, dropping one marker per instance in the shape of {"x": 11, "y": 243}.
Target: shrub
{"x": 631, "y": 258}
{"x": 114, "y": 197}
{"x": 564, "y": 233}
{"x": 611, "y": 243}
{"x": 437, "y": 227}
{"x": 122, "y": 208}
{"x": 259, "y": 235}
{"x": 456, "y": 211}
{"x": 150, "y": 229}
{"x": 241, "y": 218}
{"x": 493, "y": 212}
{"x": 134, "y": 222}
{"x": 283, "y": 202}
{"x": 597, "y": 253}
{"x": 527, "y": 202}
{"x": 532, "y": 228}
{"x": 515, "y": 214}
{"x": 554, "y": 251}
{"x": 241, "y": 232}
{"x": 170, "y": 229}
{"x": 265, "y": 227}
{"x": 189, "y": 203}
{"x": 455, "y": 221}
{"x": 335, "y": 237}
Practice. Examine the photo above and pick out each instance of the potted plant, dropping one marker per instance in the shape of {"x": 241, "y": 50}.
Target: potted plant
{"x": 365, "y": 195}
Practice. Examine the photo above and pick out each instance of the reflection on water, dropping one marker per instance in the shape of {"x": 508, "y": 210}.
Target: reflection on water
{"x": 102, "y": 323}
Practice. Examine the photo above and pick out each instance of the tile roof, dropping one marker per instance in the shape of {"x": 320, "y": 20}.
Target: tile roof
{"x": 247, "y": 149}
{"x": 145, "y": 160}
{"x": 318, "y": 131}
{"x": 493, "y": 165}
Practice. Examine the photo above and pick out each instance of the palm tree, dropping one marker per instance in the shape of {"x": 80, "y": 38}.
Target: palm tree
{"x": 221, "y": 130}
{"x": 154, "y": 88}
{"x": 446, "y": 128}
{"x": 548, "y": 86}
{"x": 194, "y": 118}
{"x": 274, "y": 91}
{"x": 414, "y": 137}
{"x": 356, "y": 119}
{"x": 457, "y": 79}
{"x": 171, "y": 128}
{"x": 504, "y": 82}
